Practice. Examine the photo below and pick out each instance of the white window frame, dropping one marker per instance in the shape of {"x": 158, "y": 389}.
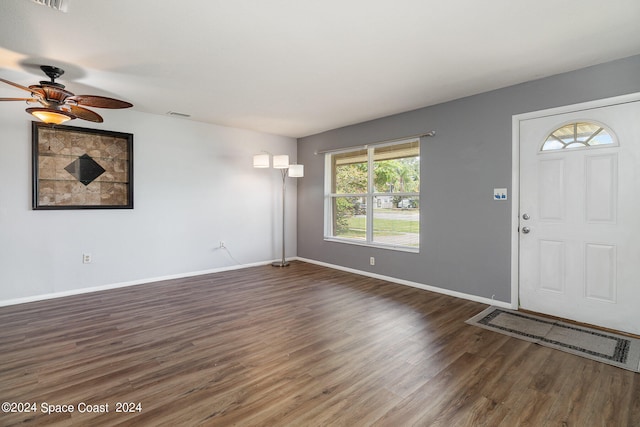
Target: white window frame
{"x": 370, "y": 196}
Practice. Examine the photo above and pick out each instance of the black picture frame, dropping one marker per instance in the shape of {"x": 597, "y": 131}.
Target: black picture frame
{"x": 81, "y": 168}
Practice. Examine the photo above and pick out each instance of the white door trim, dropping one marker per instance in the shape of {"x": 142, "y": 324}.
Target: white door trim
{"x": 515, "y": 173}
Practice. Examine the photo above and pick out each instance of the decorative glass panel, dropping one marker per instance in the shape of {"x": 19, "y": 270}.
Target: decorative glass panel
{"x": 577, "y": 135}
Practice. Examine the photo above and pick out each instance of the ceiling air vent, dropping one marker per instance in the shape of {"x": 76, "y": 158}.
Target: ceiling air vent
{"x": 176, "y": 114}
{"x": 61, "y": 5}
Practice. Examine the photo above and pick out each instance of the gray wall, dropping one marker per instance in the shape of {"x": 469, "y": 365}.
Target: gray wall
{"x": 465, "y": 240}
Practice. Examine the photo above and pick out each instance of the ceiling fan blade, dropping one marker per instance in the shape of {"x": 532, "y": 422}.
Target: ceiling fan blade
{"x": 20, "y": 99}
{"x": 16, "y": 85}
{"x": 98, "y": 101}
{"x": 84, "y": 114}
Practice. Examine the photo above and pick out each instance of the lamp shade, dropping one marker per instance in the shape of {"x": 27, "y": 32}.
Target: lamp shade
{"x": 49, "y": 115}
{"x": 281, "y": 161}
{"x": 261, "y": 161}
{"x": 296, "y": 171}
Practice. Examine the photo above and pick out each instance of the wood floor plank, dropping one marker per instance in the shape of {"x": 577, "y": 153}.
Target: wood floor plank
{"x": 300, "y": 346}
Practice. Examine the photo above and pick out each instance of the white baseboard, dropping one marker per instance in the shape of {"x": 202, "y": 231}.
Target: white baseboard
{"x": 470, "y": 297}
{"x": 125, "y": 284}
{"x": 71, "y": 292}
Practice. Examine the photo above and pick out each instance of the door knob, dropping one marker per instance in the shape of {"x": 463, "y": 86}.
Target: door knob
{"x": 526, "y": 230}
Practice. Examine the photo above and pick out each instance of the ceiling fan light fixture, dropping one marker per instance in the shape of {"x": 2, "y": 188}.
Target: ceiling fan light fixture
{"x": 49, "y": 116}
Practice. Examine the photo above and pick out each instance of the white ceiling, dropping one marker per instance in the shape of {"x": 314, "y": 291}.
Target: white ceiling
{"x": 298, "y": 67}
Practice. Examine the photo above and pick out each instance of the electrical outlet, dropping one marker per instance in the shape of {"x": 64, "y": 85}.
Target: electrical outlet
{"x": 86, "y": 258}
{"x": 372, "y": 261}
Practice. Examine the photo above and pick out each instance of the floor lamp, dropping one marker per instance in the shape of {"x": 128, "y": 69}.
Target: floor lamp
{"x": 294, "y": 171}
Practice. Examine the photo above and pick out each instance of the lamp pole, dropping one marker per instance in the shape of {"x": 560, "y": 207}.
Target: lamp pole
{"x": 282, "y": 262}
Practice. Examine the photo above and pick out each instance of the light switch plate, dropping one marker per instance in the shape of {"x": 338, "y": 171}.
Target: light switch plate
{"x": 500, "y": 194}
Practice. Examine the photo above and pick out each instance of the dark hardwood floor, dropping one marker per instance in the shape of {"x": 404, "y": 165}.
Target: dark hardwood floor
{"x": 300, "y": 346}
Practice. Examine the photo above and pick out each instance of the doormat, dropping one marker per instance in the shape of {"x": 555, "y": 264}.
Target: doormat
{"x": 605, "y": 347}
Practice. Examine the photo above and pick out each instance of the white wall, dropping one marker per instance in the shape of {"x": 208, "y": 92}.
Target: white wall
{"x": 194, "y": 185}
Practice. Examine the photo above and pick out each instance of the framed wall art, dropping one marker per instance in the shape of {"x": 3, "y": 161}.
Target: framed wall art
{"x": 80, "y": 168}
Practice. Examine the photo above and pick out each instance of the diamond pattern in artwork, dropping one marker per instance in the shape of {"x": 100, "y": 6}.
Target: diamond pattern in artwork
{"x": 85, "y": 169}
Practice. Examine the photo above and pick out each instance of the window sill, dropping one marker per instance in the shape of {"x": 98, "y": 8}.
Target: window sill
{"x": 373, "y": 245}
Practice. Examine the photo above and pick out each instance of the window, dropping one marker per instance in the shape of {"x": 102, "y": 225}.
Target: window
{"x": 577, "y": 135}
{"x": 373, "y": 195}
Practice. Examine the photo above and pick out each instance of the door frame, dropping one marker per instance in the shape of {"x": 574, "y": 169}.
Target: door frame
{"x": 515, "y": 174}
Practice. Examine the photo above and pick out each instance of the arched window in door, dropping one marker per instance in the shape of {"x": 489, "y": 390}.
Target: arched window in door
{"x": 578, "y": 135}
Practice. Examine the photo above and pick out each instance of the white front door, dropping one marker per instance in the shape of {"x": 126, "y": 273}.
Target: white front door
{"x": 579, "y": 216}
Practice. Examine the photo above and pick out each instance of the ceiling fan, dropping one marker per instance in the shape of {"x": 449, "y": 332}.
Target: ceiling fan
{"x": 58, "y": 105}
